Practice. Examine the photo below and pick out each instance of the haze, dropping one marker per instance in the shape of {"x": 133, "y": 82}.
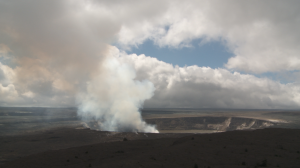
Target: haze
{"x": 79, "y": 54}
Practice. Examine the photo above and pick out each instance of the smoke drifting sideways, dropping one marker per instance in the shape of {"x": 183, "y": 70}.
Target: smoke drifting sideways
{"x": 113, "y": 98}
{"x": 58, "y": 54}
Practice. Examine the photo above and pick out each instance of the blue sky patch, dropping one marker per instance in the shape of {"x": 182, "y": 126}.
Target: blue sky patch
{"x": 212, "y": 54}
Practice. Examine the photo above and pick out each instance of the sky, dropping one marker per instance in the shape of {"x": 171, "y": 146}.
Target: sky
{"x": 106, "y": 56}
{"x": 211, "y": 54}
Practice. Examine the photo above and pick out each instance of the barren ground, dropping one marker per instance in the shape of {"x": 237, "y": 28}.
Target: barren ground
{"x": 271, "y": 147}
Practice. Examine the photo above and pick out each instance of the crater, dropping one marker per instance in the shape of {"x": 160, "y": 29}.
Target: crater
{"x": 208, "y": 124}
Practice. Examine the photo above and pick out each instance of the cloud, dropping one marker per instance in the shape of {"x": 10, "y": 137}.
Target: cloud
{"x": 57, "y": 49}
{"x": 54, "y": 46}
{"x": 263, "y": 35}
{"x": 203, "y": 87}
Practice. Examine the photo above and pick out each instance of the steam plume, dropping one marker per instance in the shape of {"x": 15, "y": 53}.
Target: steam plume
{"x": 113, "y": 98}
{"x": 58, "y": 51}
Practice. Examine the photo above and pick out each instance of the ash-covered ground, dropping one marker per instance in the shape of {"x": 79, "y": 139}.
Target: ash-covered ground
{"x": 25, "y": 132}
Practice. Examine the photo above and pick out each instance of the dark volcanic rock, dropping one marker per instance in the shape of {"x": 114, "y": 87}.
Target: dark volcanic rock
{"x": 13, "y": 147}
{"x": 271, "y": 147}
{"x": 209, "y": 123}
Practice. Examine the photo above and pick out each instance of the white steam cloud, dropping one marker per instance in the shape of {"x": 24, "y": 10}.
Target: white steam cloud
{"x": 58, "y": 53}
{"x": 113, "y": 98}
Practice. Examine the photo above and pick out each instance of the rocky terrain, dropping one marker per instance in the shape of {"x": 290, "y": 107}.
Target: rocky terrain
{"x": 217, "y": 124}
{"x": 56, "y": 137}
{"x": 272, "y": 147}
{"x": 16, "y": 146}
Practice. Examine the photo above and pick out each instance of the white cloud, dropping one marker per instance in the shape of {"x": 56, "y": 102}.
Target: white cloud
{"x": 8, "y": 94}
{"x": 263, "y": 35}
{"x": 7, "y": 74}
{"x": 28, "y": 94}
{"x": 204, "y": 87}
{"x": 57, "y": 47}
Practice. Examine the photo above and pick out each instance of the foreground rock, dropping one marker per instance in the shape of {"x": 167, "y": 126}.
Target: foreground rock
{"x": 271, "y": 147}
{"x": 17, "y": 146}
